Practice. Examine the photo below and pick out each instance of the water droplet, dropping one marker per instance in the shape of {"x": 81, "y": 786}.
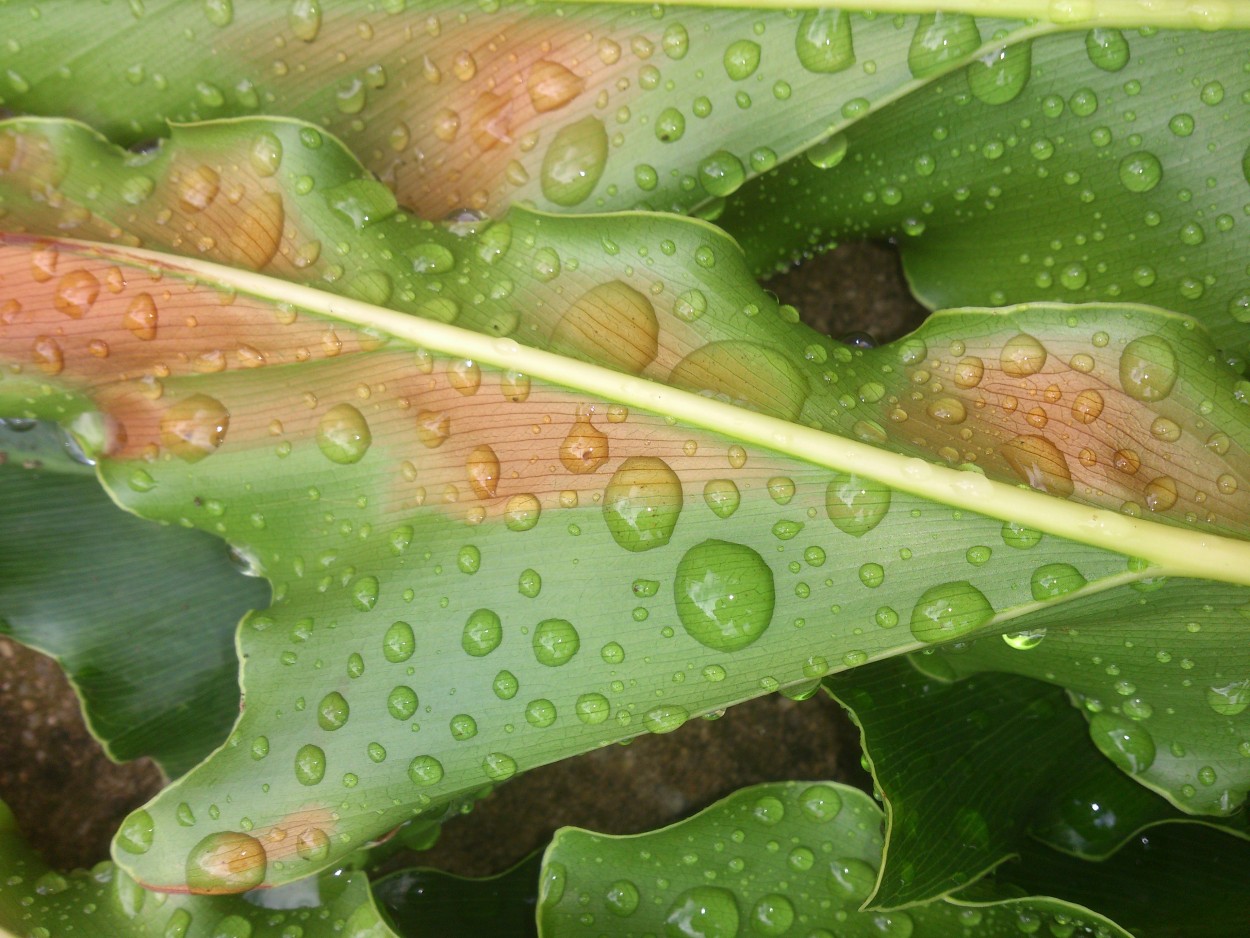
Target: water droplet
{"x": 947, "y": 410}
{"x": 312, "y": 844}
{"x": 343, "y": 434}
{"x": 1148, "y": 368}
{"x": 828, "y": 153}
{"x": 540, "y": 713}
{"x": 1022, "y": 356}
{"x": 854, "y": 504}
{"x": 724, "y": 594}
{"x": 745, "y": 374}
{"x": 772, "y": 914}
{"x": 462, "y": 727}
{"x": 574, "y": 161}
{"x": 425, "y": 771}
{"x": 364, "y": 592}
{"x": 332, "y": 712}
{"x": 482, "y": 633}
{"x": 821, "y": 802}
{"x": 499, "y": 766}
{"x": 1055, "y": 579}
{"x": 141, "y": 317}
{"x": 399, "y": 642}
{"x": 741, "y": 59}
{"x": 585, "y": 449}
{"x": 135, "y": 834}
{"x": 1001, "y": 75}
{"x": 197, "y": 188}
{"x": 706, "y": 911}
{"x": 1140, "y": 172}
{"x": 75, "y": 293}
{"x": 529, "y": 583}
{"x": 1127, "y": 744}
{"x": 555, "y": 642}
{"x": 592, "y": 709}
{"x": 1231, "y": 699}
{"x": 482, "y": 467}
{"x": 226, "y": 862}
{"x": 1040, "y": 463}
{"x": 310, "y": 764}
{"x": 621, "y": 898}
{"x": 851, "y": 879}
{"x": 823, "y": 41}
{"x": 665, "y": 719}
{"x": 505, "y": 685}
{"x": 401, "y": 702}
{"x": 304, "y": 19}
{"x": 872, "y": 575}
{"x": 948, "y": 611}
{"x": 969, "y": 372}
{"x": 522, "y": 512}
{"x": 1087, "y": 406}
{"x": 642, "y": 503}
{"x": 1161, "y": 493}
{"x": 1107, "y": 49}
{"x": 194, "y": 427}
{"x": 939, "y": 40}
{"x": 1024, "y": 640}
{"x": 363, "y": 202}
{"x": 721, "y": 174}
{"x": 265, "y": 155}
{"x": 611, "y": 324}
{"x": 551, "y": 86}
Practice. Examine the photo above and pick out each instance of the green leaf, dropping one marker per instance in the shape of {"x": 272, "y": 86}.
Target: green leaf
{"x": 1117, "y": 172}
{"x": 105, "y": 902}
{"x": 436, "y": 904}
{"x": 1165, "y": 703}
{"x": 219, "y": 377}
{"x": 560, "y": 107}
{"x": 784, "y": 858}
{"x": 1175, "y": 880}
{"x": 155, "y": 669}
{"x": 969, "y": 772}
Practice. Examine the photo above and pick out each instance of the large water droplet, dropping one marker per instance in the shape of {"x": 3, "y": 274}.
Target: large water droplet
{"x": 1022, "y": 356}
{"x": 939, "y": 40}
{"x": 399, "y": 642}
{"x": 585, "y": 449}
{"x": 482, "y": 634}
{"x": 333, "y": 711}
{"x": 310, "y": 764}
{"x": 482, "y": 467}
{"x": 1001, "y": 75}
{"x": 721, "y": 495}
{"x": 1039, "y": 462}
{"x": 194, "y": 427}
{"x": 555, "y": 642}
{"x": 226, "y": 862}
{"x": 745, "y": 374}
{"x": 851, "y": 879}
{"x": 642, "y": 503}
{"x": 1055, "y": 579}
{"x": 772, "y": 914}
{"x": 1126, "y": 743}
{"x": 425, "y": 770}
{"x": 1231, "y": 699}
{"x": 522, "y": 512}
{"x": 948, "y": 611}
{"x": 135, "y": 834}
{"x": 343, "y": 434}
{"x": 551, "y": 86}
{"x": 704, "y": 911}
{"x": 1148, "y": 368}
{"x": 823, "y": 41}
{"x": 741, "y": 59}
{"x": 622, "y": 898}
{"x": 1107, "y": 49}
{"x": 574, "y": 161}
{"x": 854, "y": 504}
{"x": 401, "y": 702}
{"x": 363, "y": 202}
{"x": 75, "y": 293}
{"x": 141, "y": 317}
{"x": 721, "y": 174}
{"x": 1140, "y": 172}
{"x": 724, "y": 594}
{"x": 611, "y": 324}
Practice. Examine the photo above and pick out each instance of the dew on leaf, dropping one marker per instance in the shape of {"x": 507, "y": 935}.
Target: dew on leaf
{"x": 226, "y": 862}
{"x": 425, "y": 770}
{"x": 854, "y": 504}
{"x": 1127, "y": 744}
{"x": 724, "y": 594}
{"x": 1037, "y": 461}
{"x": 823, "y": 41}
{"x": 611, "y": 324}
{"x": 343, "y": 434}
{"x": 707, "y": 911}
{"x": 574, "y": 161}
{"x": 399, "y": 642}
{"x": 949, "y": 611}
{"x": 721, "y": 495}
{"x": 483, "y": 631}
{"x": 401, "y": 702}
{"x": 194, "y": 427}
{"x": 333, "y": 711}
{"x": 642, "y": 503}
{"x": 940, "y": 39}
{"x": 1148, "y": 368}
{"x": 555, "y": 642}
{"x": 310, "y": 764}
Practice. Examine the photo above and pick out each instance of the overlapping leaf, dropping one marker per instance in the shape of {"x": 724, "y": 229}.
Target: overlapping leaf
{"x": 788, "y": 858}
{"x": 971, "y": 772}
{"x": 585, "y": 107}
{"x": 1114, "y": 169}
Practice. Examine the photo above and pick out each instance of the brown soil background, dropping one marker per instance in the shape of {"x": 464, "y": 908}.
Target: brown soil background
{"x": 69, "y": 798}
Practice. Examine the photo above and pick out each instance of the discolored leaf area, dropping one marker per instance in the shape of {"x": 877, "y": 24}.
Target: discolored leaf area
{"x": 106, "y": 902}
{"x": 565, "y": 107}
{"x": 795, "y": 857}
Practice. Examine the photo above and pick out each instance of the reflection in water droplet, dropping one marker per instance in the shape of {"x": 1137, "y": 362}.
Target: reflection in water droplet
{"x": 705, "y": 911}
{"x": 194, "y": 427}
{"x": 226, "y": 862}
{"x": 746, "y": 374}
{"x": 721, "y": 495}
{"x": 343, "y": 434}
{"x": 483, "y": 631}
{"x": 611, "y": 324}
{"x": 1039, "y": 462}
{"x": 949, "y": 611}
{"x": 585, "y": 449}
{"x": 551, "y": 86}
{"x": 1148, "y": 368}
{"x": 823, "y": 41}
{"x": 642, "y": 503}
{"x": 856, "y": 505}
{"x": 555, "y": 642}
{"x": 1055, "y": 579}
{"x": 724, "y": 594}
{"x": 482, "y": 467}
{"x": 75, "y": 293}
{"x": 940, "y": 39}
{"x": 1126, "y": 743}
{"x": 574, "y": 161}
{"x": 969, "y": 371}
{"x": 1021, "y": 356}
